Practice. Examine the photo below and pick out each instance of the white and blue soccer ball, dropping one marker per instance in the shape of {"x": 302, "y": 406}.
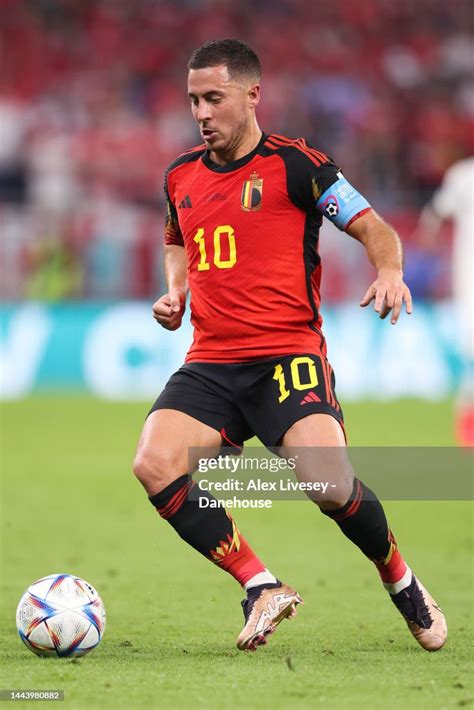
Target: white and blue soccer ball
{"x": 60, "y": 615}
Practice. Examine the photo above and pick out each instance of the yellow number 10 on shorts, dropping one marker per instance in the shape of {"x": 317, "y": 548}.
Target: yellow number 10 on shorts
{"x": 297, "y": 370}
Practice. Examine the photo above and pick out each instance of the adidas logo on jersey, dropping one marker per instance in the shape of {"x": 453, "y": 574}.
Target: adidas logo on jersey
{"x": 186, "y": 202}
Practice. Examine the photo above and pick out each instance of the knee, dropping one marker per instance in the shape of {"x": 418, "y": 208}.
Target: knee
{"x": 337, "y": 495}
{"x": 335, "y": 491}
{"x": 155, "y": 469}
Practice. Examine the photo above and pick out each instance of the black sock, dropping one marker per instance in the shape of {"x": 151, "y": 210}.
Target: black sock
{"x": 189, "y": 520}
{"x": 362, "y": 520}
{"x": 210, "y": 530}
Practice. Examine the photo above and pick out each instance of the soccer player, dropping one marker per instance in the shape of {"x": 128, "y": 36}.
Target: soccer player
{"x": 453, "y": 201}
{"x": 244, "y": 212}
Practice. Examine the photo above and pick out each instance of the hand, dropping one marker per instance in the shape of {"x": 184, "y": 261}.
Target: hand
{"x": 168, "y": 309}
{"x": 389, "y": 292}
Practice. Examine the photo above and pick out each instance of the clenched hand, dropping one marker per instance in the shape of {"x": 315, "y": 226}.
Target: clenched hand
{"x": 168, "y": 309}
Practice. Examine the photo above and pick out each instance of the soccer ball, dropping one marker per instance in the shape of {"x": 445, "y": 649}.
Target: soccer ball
{"x": 60, "y": 615}
{"x": 332, "y": 209}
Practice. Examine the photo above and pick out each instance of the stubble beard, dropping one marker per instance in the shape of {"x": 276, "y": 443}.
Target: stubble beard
{"x": 236, "y": 137}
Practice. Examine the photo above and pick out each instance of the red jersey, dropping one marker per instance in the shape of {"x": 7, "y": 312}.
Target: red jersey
{"x": 250, "y": 229}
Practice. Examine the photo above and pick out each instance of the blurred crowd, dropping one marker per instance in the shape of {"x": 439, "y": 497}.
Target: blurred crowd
{"x": 93, "y": 107}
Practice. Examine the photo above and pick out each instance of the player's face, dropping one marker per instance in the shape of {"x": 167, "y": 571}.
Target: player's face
{"x": 223, "y": 107}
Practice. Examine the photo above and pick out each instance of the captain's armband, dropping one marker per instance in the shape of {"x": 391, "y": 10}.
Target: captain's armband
{"x": 341, "y": 202}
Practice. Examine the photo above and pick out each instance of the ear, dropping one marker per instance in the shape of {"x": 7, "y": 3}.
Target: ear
{"x": 253, "y": 95}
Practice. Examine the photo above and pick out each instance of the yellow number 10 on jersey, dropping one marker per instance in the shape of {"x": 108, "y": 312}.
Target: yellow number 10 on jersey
{"x": 219, "y": 233}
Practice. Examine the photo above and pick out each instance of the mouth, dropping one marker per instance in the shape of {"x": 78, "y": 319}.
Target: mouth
{"x": 208, "y": 133}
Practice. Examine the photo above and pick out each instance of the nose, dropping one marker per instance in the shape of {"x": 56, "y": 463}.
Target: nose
{"x": 203, "y": 111}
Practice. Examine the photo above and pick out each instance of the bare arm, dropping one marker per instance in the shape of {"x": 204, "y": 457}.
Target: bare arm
{"x": 168, "y": 309}
{"x": 384, "y": 251}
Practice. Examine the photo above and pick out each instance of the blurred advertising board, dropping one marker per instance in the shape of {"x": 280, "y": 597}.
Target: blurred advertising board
{"x": 117, "y": 351}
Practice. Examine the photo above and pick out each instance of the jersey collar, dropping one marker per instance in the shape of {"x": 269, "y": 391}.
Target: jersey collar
{"x": 235, "y": 164}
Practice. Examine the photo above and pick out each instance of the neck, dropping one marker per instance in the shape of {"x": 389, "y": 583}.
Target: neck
{"x": 243, "y": 147}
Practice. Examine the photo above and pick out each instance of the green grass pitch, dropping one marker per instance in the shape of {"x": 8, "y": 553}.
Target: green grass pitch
{"x": 70, "y": 504}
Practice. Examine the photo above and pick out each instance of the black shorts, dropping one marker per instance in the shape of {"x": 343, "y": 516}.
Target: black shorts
{"x": 262, "y": 398}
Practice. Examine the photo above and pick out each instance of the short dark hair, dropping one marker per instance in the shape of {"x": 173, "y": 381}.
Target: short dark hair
{"x": 237, "y": 56}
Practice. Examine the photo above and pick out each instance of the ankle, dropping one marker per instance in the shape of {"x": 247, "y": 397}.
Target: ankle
{"x": 404, "y": 582}
{"x": 260, "y": 578}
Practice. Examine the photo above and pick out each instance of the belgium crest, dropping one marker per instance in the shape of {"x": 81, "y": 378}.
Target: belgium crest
{"x": 252, "y": 189}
